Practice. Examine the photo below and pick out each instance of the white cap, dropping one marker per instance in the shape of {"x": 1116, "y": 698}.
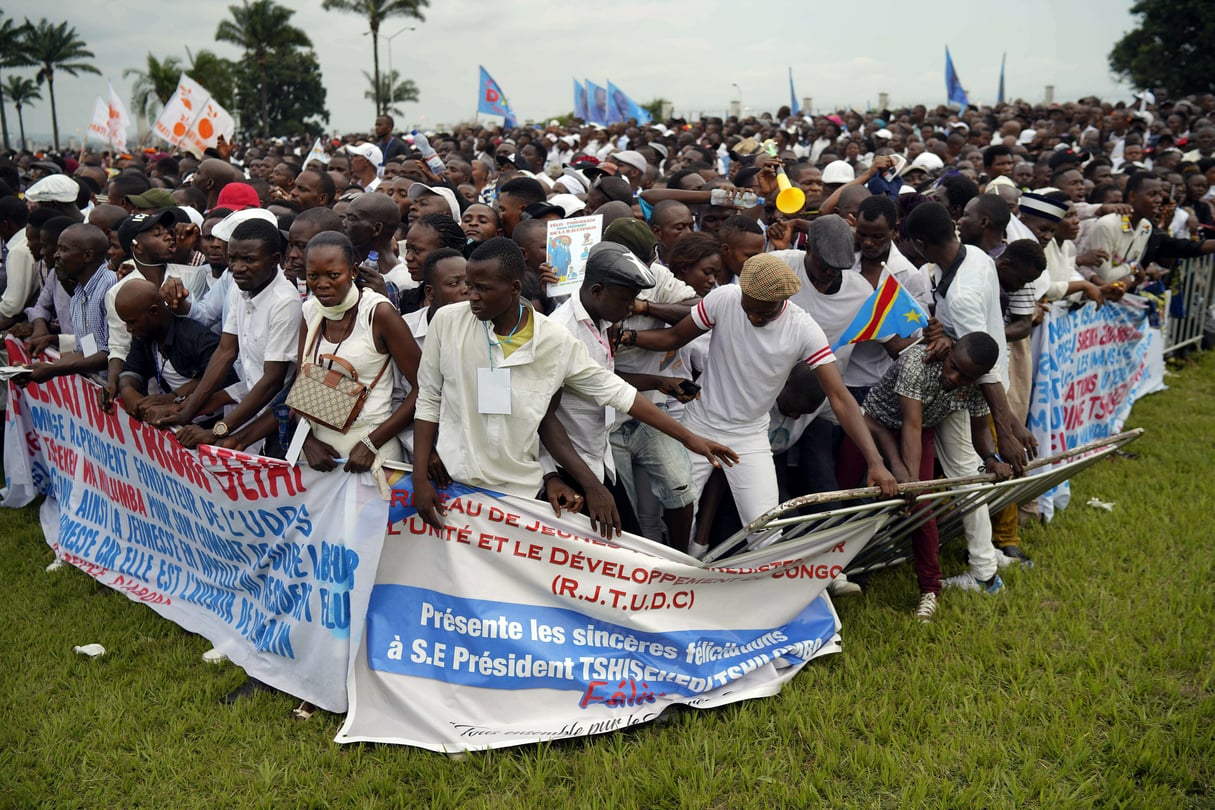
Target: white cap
{"x": 418, "y": 189}
{"x": 223, "y": 230}
{"x": 837, "y": 172}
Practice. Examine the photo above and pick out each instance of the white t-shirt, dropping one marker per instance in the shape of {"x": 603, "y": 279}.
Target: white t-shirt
{"x": 266, "y": 326}
{"x": 972, "y": 304}
{"x": 833, "y": 313}
{"x": 748, "y": 365}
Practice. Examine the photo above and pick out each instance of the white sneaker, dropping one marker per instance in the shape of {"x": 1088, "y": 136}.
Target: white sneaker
{"x": 840, "y": 586}
{"x": 55, "y": 565}
{"x": 927, "y": 608}
{"x": 214, "y": 656}
{"x": 1003, "y": 560}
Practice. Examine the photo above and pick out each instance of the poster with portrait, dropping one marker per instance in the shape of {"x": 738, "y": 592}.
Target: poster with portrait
{"x": 568, "y": 242}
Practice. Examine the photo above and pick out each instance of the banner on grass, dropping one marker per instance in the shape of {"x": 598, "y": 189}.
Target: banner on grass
{"x": 512, "y": 626}
{"x": 272, "y": 564}
{"x": 1090, "y": 365}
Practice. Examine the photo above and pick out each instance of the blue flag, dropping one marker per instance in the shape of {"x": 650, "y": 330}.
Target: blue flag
{"x": 621, "y": 108}
{"x": 890, "y": 311}
{"x": 596, "y": 103}
{"x": 953, "y": 85}
{"x": 1000, "y": 92}
{"x": 794, "y": 108}
{"x": 580, "y": 101}
{"x": 492, "y": 101}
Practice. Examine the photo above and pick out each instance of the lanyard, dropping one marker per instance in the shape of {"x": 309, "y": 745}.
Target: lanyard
{"x": 607, "y": 347}
{"x": 490, "y": 344}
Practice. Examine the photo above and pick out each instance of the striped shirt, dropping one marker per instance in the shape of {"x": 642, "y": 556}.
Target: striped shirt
{"x": 88, "y": 308}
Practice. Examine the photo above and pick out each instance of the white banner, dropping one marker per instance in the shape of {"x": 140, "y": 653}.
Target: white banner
{"x": 192, "y": 120}
{"x": 272, "y": 564}
{"x": 1090, "y": 365}
{"x": 512, "y": 626}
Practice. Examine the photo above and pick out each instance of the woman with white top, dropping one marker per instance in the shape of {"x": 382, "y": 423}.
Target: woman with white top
{"x": 361, "y": 327}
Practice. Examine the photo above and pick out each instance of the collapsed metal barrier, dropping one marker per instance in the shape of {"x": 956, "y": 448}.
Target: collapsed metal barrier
{"x": 947, "y": 500}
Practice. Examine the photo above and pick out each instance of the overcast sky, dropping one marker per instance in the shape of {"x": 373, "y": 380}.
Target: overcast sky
{"x": 692, "y": 52}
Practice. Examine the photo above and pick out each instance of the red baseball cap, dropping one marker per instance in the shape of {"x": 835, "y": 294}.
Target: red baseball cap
{"x": 237, "y": 197}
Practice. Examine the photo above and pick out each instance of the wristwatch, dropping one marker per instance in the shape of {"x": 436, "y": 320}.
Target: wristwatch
{"x": 220, "y": 430}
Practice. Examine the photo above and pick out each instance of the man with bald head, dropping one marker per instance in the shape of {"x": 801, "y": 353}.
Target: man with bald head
{"x": 371, "y": 222}
{"x": 168, "y": 355}
{"x": 669, "y": 220}
{"x": 80, "y": 266}
{"x": 212, "y": 175}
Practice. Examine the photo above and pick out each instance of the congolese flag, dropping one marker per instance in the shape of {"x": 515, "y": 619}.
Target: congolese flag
{"x": 888, "y": 312}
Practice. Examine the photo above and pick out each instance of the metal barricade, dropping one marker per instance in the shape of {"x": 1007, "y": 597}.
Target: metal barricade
{"x": 1190, "y": 304}
{"x": 946, "y": 500}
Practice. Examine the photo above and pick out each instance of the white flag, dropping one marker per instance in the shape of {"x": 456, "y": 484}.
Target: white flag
{"x": 193, "y": 120}
{"x": 117, "y": 120}
{"x": 99, "y": 126}
{"x": 317, "y": 153}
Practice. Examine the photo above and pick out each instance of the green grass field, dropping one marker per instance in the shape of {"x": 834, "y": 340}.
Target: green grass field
{"x": 1090, "y": 682}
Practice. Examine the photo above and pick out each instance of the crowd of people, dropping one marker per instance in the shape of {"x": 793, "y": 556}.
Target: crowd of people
{"x": 389, "y": 300}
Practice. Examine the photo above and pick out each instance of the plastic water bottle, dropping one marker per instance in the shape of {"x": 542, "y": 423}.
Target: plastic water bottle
{"x": 428, "y": 153}
{"x": 372, "y": 262}
{"x": 734, "y": 199}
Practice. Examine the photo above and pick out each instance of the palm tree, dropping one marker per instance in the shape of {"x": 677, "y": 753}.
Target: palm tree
{"x": 12, "y": 54}
{"x": 376, "y": 11}
{"x": 259, "y": 29}
{"x": 392, "y": 92}
{"x": 21, "y": 91}
{"x": 56, "y": 47}
{"x": 155, "y": 86}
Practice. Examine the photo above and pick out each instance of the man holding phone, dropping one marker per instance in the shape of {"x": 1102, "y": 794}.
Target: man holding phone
{"x": 653, "y": 469}
{"x": 614, "y": 277}
{"x": 758, "y": 337}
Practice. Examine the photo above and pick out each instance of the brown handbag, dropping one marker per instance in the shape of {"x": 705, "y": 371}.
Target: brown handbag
{"x": 328, "y": 396}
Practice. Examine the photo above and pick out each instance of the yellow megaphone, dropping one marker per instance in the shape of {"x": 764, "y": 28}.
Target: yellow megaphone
{"x": 789, "y": 200}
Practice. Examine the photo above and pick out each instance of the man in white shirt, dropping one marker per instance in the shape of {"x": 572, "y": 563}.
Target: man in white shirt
{"x": 877, "y": 258}
{"x": 366, "y": 161}
{"x": 260, "y": 337}
{"x": 18, "y": 267}
{"x": 967, "y": 297}
{"x": 149, "y": 240}
{"x": 653, "y": 469}
{"x": 759, "y": 335}
{"x": 614, "y": 277}
{"x": 832, "y": 295}
{"x": 489, "y": 371}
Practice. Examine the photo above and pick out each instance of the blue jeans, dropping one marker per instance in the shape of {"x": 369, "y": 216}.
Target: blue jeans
{"x": 665, "y": 459}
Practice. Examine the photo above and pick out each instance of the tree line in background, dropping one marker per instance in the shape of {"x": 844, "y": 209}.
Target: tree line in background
{"x": 276, "y": 87}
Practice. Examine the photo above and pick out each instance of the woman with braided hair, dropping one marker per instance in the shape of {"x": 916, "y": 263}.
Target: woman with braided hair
{"x": 428, "y": 234}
